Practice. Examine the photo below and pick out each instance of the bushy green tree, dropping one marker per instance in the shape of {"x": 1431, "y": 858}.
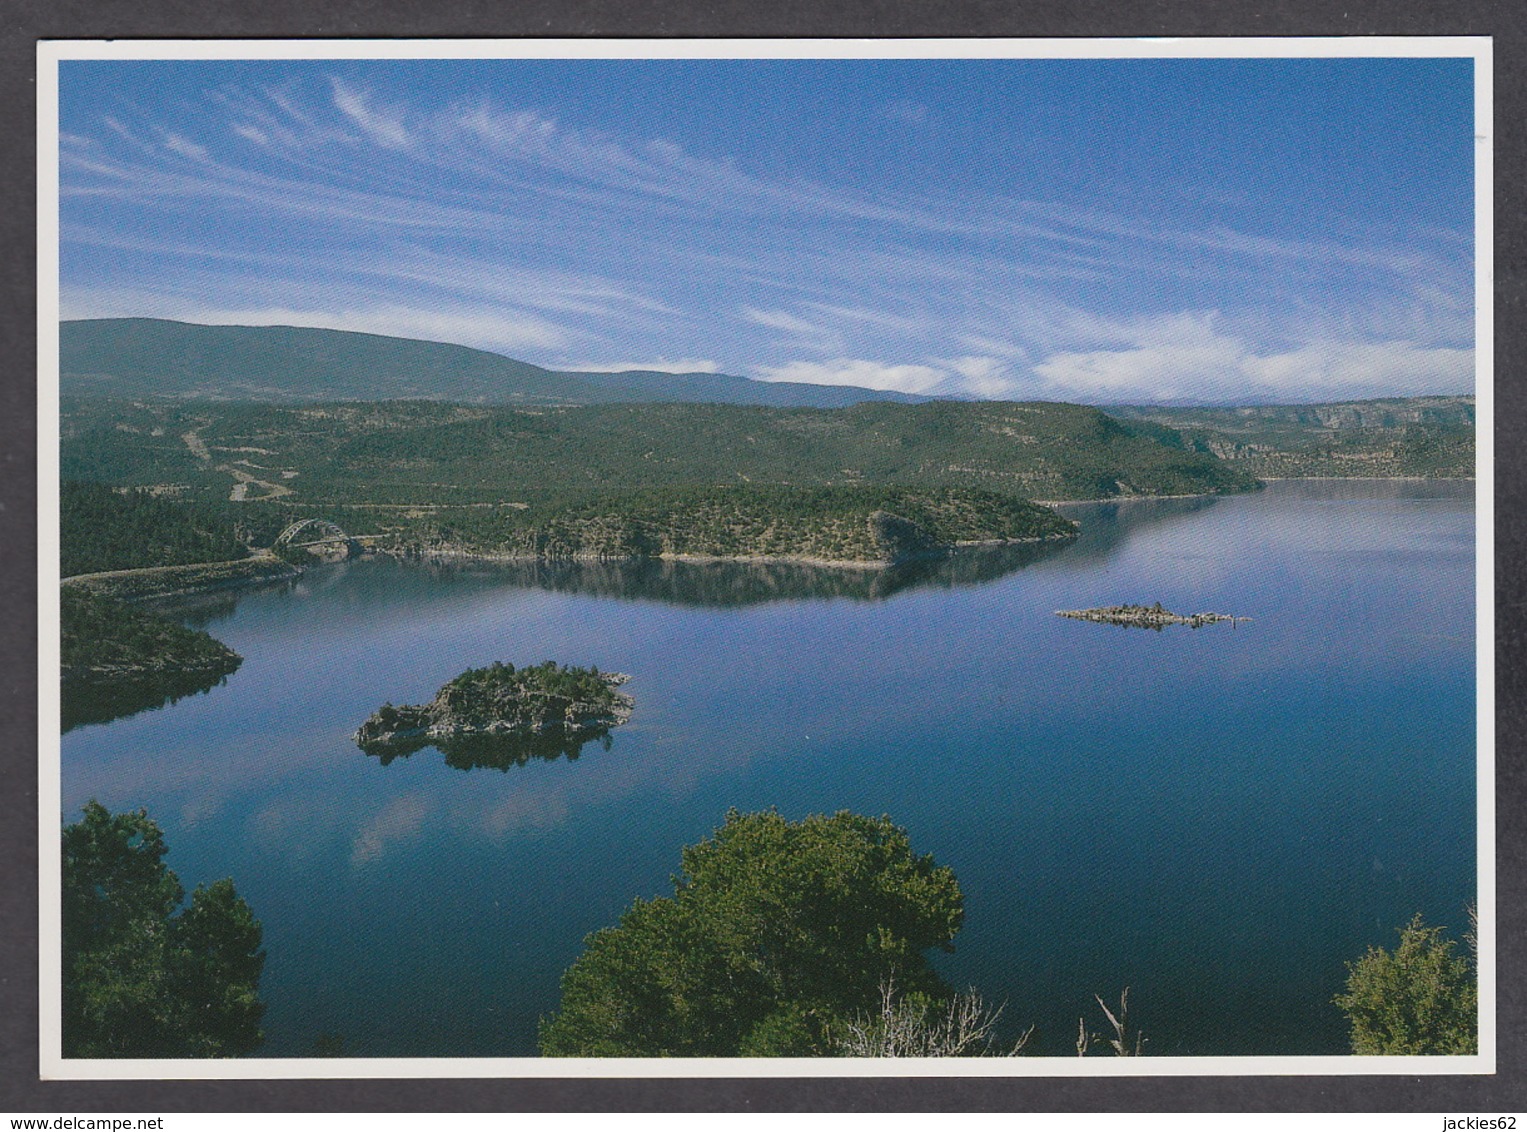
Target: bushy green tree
{"x": 1421, "y": 998}
{"x": 139, "y": 978}
{"x": 776, "y": 932}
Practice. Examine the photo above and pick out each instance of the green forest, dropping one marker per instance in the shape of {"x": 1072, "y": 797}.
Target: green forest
{"x": 1398, "y": 436}
{"x": 868, "y": 524}
{"x": 422, "y": 454}
{"x": 144, "y": 976}
{"x": 101, "y": 528}
{"x": 103, "y": 638}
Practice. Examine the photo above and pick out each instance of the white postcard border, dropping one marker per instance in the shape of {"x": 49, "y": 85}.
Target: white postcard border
{"x": 51, "y": 53}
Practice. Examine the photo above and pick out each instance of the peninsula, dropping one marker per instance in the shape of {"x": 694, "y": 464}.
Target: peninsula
{"x": 861, "y": 525}
{"x": 1146, "y": 616}
{"x": 118, "y": 661}
{"x": 102, "y": 639}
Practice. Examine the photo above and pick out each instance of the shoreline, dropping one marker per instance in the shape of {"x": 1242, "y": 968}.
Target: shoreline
{"x": 1261, "y": 480}
{"x": 713, "y": 559}
{"x": 1373, "y": 479}
{"x": 1139, "y": 498}
{"x": 136, "y": 584}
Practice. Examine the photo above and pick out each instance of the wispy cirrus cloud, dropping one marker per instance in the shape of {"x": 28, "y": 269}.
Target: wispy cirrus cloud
{"x": 342, "y": 201}
{"x": 383, "y": 127}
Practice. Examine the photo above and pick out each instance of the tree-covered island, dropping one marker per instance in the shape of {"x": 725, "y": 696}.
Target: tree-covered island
{"x": 507, "y": 704}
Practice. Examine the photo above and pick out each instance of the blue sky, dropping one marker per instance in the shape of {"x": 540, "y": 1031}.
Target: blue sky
{"x": 1098, "y": 231}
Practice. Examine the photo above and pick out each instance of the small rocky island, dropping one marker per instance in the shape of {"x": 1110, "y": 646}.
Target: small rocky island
{"x": 1147, "y": 616}
{"x": 501, "y": 715}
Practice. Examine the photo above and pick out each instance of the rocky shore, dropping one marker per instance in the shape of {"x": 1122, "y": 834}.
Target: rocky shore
{"x": 172, "y": 581}
{"x": 1147, "y": 616}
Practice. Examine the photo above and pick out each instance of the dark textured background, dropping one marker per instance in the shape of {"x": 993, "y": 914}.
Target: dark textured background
{"x": 24, "y": 22}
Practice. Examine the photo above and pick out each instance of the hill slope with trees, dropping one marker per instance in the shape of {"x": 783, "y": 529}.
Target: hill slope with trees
{"x": 1396, "y": 436}
{"x": 429, "y": 453}
{"x": 151, "y": 357}
{"x": 868, "y": 525}
{"x": 777, "y": 932}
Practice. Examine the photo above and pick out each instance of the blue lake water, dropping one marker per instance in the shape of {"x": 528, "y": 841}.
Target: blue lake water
{"x": 1217, "y": 818}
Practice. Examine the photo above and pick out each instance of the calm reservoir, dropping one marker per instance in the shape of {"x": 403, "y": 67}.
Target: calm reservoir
{"x": 1218, "y": 818}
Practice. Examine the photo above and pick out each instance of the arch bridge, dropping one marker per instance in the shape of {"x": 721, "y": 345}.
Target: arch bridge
{"x": 321, "y": 536}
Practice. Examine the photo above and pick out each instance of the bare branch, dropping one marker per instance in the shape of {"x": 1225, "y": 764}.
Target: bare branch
{"x": 915, "y": 1026}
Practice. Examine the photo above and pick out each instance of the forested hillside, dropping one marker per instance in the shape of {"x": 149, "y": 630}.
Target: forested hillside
{"x": 105, "y": 529}
{"x": 104, "y": 638}
{"x": 838, "y": 524}
{"x": 421, "y": 454}
{"x": 1397, "y": 436}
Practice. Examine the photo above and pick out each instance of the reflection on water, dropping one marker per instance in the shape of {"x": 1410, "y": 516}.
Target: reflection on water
{"x": 86, "y": 701}
{"x": 496, "y": 752}
{"x": 1106, "y": 527}
{"x": 197, "y": 611}
{"x": 722, "y": 585}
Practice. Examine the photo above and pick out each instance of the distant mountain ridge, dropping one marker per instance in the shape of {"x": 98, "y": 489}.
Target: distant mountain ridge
{"x": 151, "y": 357}
{"x": 1375, "y": 412}
{"x": 1385, "y": 436}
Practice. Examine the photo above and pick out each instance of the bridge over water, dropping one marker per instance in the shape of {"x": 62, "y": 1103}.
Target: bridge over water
{"x": 321, "y": 536}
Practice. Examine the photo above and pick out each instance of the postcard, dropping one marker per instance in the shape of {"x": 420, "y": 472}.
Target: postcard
{"x": 766, "y": 558}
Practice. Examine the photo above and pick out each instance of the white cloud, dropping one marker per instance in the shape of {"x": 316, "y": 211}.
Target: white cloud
{"x": 185, "y": 148}
{"x": 780, "y": 320}
{"x": 905, "y": 110}
{"x": 869, "y": 317}
{"x": 253, "y": 133}
{"x": 1184, "y": 358}
{"x": 984, "y": 376}
{"x": 662, "y": 365}
{"x": 856, "y": 371}
{"x": 386, "y": 129}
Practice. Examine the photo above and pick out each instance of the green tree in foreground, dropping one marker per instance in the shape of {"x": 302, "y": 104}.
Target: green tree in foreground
{"x": 140, "y": 979}
{"x": 1422, "y": 998}
{"x": 778, "y": 934}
